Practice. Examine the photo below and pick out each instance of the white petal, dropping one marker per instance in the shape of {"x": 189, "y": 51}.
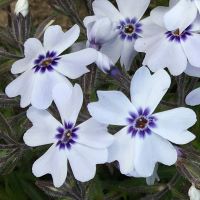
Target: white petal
{"x": 113, "y": 108}
{"x": 43, "y": 87}
{"x": 104, "y": 8}
{"x": 116, "y": 45}
{"x": 157, "y": 56}
{"x": 173, "y": 124}
{"x": 133, "y": 8}
{"x": 32, "y": 49}
{"x": 94, "y": 134}
{"x": 22, "y": 85}
{"x": 103, "y": 62}
{"x": 191, "y": 48}
{"x": 192, "y": 71}
{"x": 99, "y": 36}
{"x": 43, "y": 130}
{"x": 55, "y": 39}
{"x": 176, "y": 17}
{"x": 151, "y": 179}
{"x": 147, "y": 90}
{"x": 149, "y": 151}
{"x": 193, "y": 98}
{"x": 92, "y": 155}
{"x": 151, "y": 28}
{"x": 73, "y": 65}
{"x": 82, "y": 168}
{"x": 128, "y": 54}
{"x": 68, "y": 100}
{"x": 123, "y": 151}
{"x": 157, "y": 15}
{"x": 90, "y": 19}
{"x": 53, "y": 162}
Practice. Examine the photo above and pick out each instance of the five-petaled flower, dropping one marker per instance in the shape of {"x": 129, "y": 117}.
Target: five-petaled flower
{"x": 43, "y": 67}
{"x": 84, "y": 145}
{"x": 145, "y": 139}
{"x": 171, "y": 49}
{"x": 126, "y": 27}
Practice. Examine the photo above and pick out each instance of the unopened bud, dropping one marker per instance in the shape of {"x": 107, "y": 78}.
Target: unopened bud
{"x": 194, "y": 193}
{"x": 22, "y": 6}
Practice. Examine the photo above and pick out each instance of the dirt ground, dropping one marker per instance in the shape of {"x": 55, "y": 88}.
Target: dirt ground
{"x": 40, "y": 10}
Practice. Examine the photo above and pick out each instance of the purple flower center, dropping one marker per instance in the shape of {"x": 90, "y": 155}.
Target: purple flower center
{"x": 129, "y": 29}
{"x": 177, "y": 36}
{"x": 46, "y": 62}
{"x": 141, "y": 122}
{"x": 66, "y": 135}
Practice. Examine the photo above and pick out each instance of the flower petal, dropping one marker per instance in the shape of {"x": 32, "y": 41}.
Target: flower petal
{"x": 113, "y": 108}
{"x": 72, "y": 67}
{"x": 43, "y": 130}
{"x": 116, "y": 45}
{"x": 94, "y": 134}
{"x": 68, "y": 100}
{"x": 133, "y": 8}
{"x": 192, "y": 71}
{"x": 92, "y": 155}
{"x": 157, "y": 56}
{"x": 147, "y": 90}
{"x": 157, "y": 15}
{"x": 193, "y": 98}
{"x": 23, "y": 85}
{"x": 173, "y": 124}
{"x": 176, "y": 18}
{"x": 191, "y": 48}
{"x": 43, "y": 87}
{"x": 123, "y": 151}
{"x": 55, "y": 39}
{"x": 82, "y": 168}
{"x": 53, "y": 162}
{"x": 103, "y": 8}
{"x": 149, "y": 151}
{"x": 128, "y": 54}
{"x": 32, "y": 49}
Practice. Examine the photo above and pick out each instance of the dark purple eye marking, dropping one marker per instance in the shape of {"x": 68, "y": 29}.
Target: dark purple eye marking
{"x": 66, "y": 135}
{"x": 141, "y": 122}
{"x": 176, "y": 36}
{"x": 46, "y": 62}
{"x": 129, "y": 29}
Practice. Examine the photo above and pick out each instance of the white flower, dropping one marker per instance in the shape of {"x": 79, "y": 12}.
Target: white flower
{"x": 43, "y": 67}
{"x": 126, "y": 25}
{"x": 98, "y": 38}
{"x": 182, "y": 14}
{"x": 171, "y": 49}
{"x": 193, "y": 193}
{"x": 22, "y": 7}
{"x": 193, "y": 98}
{"x": 83, "y": 145}
{"x": 145, "y": 139}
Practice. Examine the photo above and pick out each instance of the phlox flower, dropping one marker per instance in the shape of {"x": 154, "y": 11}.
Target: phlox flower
{"x": 146, "y": 137}
{"x": 171, "y": 49}
{"x": 44, "y": 67}
{"x": 126, "y": 27}
{"x": 83, "y": 145}
{"x": 181, "y": 14}
{"x": 193, "y": 98}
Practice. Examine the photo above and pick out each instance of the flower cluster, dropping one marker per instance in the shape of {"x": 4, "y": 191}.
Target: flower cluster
{"x": 169, "y": 38}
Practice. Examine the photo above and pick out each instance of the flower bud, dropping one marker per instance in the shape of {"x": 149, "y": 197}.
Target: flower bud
{"x": 193, "y": 193}
{"x": 22, "y": 7}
